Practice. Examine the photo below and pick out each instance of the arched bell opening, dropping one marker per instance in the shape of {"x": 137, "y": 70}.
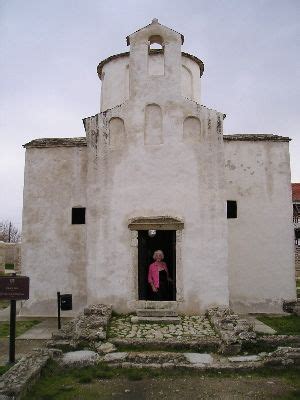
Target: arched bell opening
{"x": 156, "y": 56}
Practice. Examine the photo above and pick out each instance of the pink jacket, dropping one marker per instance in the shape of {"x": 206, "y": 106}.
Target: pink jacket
{"x": 153, "y": 273}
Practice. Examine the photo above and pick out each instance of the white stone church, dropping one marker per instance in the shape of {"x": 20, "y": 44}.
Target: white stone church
{"x": 156, "y": 172}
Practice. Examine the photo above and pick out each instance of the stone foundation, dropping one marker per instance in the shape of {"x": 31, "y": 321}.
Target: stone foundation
{"x": 233, "y": 331}
{"x": 16, "y": 382}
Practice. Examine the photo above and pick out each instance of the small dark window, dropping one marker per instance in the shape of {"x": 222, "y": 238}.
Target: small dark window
{"x": 231, "y": 209}
{"x": 78, "y": 215}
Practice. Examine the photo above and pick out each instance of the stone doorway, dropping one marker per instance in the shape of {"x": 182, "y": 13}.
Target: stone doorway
{"x": 160, "y": 224}
{"x": 164, "y": 240}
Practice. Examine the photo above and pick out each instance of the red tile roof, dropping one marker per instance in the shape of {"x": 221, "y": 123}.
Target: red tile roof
{"x": 296, "y": 191}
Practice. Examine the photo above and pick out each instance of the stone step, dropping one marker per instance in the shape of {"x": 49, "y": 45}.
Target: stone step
{"x": 144, "y": 312}
{"x": 157, "y": 305}
{"x": 61, "y": 335}
{"x": 157, "y": 320}
{"x": 64, "y": 345}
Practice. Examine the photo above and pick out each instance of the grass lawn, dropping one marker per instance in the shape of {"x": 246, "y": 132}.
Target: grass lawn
{"x": 102, "y": 382}
{"x": 286, "y": 325}
{"x": 22, "y": 326}
{"x": 3, "y": 369}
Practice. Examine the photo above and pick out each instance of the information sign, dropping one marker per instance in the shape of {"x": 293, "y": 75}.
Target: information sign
{"x": 14, "y": 287}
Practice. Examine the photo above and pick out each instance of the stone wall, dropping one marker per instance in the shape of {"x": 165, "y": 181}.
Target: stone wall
{"x": 10, "y": 253}
{"x": 2, "y": 256}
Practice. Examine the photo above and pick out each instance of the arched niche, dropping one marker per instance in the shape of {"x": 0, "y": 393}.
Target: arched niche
{"x": 187, "y": 83}
{"x": 153, "y": 125}
{"x": 156, "y": 59}
{"x": 117, "y": 135}
{"x": 191, "y": 129}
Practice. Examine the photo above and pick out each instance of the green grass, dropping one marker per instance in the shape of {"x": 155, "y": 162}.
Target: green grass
{"x": 59, "y": 383}
{"x": 9, "y": 266}
{"x": 3, "y": 369}
{"x": 286, "y": 325}
{"x": 22, "y": 326}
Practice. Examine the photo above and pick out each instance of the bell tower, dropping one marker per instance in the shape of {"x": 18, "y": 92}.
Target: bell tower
{"x": 153, "y": 71}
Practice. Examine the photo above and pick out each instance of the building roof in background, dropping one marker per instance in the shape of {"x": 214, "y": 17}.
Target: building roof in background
{"x": 296, "y": 191}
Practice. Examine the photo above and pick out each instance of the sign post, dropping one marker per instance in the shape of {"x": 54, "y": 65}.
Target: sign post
{"x": 13, "y": 288}
{"x": 58, "y": 311}
{"x": 64, "y": 303}
{"x": 12, "y": 332}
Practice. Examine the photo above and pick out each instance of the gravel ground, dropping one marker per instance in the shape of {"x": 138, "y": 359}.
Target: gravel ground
{"x": 23, "y": 347}
{"x": 188, "y": 388}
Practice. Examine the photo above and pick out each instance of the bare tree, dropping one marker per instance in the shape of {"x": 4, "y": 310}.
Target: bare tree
{"x": 9, "y": 232}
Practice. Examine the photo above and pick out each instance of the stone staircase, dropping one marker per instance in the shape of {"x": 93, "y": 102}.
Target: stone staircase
{"x": 156, "y": 315}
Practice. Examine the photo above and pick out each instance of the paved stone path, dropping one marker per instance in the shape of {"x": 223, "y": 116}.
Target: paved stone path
{"x": 259, "y": 326}
{"x": 43, "y": 330}
{"x": 190, "y": 327}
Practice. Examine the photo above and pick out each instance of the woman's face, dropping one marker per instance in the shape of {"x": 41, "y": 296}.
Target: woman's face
{"x": 158, "y": 256}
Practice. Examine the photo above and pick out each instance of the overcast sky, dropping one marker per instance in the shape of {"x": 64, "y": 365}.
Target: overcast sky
{"x": 49, "y": 51}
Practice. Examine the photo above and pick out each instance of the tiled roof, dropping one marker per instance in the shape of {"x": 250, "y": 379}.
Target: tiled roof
{"x": 57, "y": 142}
{"x": 152, "y": 51}
{"x": 81, "y": 141}
{"x": 257, "y": 137}
{"x": 154, "y": 21}
{"x": 296, "y": 191}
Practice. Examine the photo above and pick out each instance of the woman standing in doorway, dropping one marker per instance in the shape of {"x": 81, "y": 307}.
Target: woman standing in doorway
{"x": 158, "y": 277}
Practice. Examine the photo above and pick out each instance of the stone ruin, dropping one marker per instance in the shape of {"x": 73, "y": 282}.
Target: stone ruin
{"x": 88, "y": 330}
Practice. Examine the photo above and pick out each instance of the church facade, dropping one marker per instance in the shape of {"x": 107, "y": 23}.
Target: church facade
{"x": 156, "y": 172}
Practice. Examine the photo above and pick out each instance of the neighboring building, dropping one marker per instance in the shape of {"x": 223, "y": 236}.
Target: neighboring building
{"x": 155, "y": 159}
{"x": 10, "y": 256}
{"x": 296, "y": 221}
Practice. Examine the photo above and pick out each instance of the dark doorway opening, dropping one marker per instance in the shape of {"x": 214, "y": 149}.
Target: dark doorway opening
{"x": 165, "y": 241}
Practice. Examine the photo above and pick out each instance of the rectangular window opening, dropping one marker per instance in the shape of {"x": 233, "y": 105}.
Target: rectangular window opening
{"x": 231, "y": 209}
{"x": 78, "y": 215}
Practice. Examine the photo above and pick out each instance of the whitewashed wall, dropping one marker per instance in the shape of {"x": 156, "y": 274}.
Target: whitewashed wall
{"x": 261, "y": 252}
{"x": 115, "y": 78}
{"x": 53, "y": 250}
